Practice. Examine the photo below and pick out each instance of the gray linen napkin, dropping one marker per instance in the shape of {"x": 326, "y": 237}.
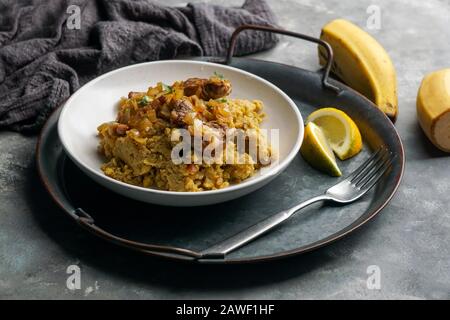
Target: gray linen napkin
{"x": 47, "y": 53}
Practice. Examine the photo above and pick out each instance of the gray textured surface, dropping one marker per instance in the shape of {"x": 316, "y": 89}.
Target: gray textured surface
{"x": 409, "y": 241}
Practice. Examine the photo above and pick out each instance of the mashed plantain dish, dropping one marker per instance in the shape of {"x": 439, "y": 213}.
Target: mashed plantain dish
{"x": 188, "y": 136}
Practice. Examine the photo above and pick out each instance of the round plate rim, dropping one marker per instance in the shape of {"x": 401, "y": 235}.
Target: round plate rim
{"x": 264, "y": 258}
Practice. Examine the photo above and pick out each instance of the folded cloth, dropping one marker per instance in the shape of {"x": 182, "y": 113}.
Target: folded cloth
{"x": 48, "y": 49}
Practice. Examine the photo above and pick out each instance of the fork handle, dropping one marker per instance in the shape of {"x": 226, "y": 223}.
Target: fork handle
{"x": 220, "y": 249}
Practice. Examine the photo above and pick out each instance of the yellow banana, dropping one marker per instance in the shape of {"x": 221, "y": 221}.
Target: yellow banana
{"x": 433, "y": 108}
{"x": 362, "y": 63}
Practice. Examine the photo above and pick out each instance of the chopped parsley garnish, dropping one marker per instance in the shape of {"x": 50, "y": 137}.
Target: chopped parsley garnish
{"x": 145, "y": 100}
{"x": 167, "y": 88}
{"x": 218, "y": 75}
{"x": 222, "y": 100}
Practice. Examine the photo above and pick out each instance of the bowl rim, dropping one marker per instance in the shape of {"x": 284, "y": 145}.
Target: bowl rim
{"x": 245, "y": 184}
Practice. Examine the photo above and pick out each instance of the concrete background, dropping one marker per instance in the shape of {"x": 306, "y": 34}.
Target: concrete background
{"x": 409, "y": 241}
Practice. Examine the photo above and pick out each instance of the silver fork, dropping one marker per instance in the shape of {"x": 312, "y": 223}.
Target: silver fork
{"x": 348, "y": 190}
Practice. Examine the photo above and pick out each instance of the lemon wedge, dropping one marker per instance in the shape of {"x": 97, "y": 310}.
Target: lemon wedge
{"x": 316, "y": 151}
{"x": 340, "y": 131}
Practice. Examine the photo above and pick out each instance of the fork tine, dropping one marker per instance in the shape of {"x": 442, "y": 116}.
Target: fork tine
{"x": 367, "y": 174}
{"x": 377, "y": 176}
{"x": 368, "y": 166}
{"x": 355, "y": 173}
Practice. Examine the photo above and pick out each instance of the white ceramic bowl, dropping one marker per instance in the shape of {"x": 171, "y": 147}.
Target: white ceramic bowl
{"x": 96, "y": 102}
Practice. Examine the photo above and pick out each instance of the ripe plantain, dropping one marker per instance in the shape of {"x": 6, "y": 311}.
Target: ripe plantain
{"x": 433, "y": 108}
{"x": 362, "y": 63}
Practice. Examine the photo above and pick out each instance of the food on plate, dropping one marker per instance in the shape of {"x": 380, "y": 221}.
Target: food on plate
{"x": 340, "y": 130}
{"x": 317, "y": 152}
{"x": 362, "y": 63}
{"x": 433, "y": 108}
{"x": 185, "y": 137}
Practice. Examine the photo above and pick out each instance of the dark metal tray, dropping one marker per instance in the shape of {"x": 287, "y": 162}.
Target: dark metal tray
{"x": 181, "y": 233}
